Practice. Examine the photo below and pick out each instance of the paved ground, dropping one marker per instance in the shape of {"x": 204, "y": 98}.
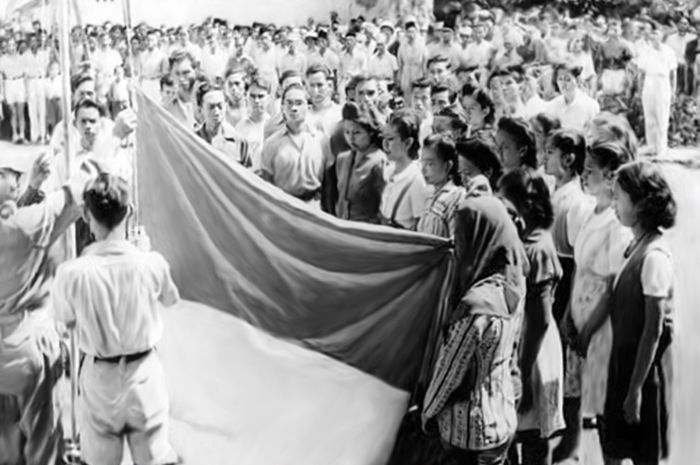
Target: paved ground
{"x": 686, "y": 244}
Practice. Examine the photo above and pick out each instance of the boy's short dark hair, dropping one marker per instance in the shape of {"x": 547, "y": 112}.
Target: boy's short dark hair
{"x": 107, "y": 199}
{"x": 88, "y": 103}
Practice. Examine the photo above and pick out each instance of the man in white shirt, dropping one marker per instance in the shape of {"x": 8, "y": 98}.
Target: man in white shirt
{"x": 214, "y": 59}
{"x": 383, "y": 64}
{"x": 105, "y": 60}
{"x": 293, "y": 157}
{"x": 36, "y": 65}
{"x": 292, "y": 58}
{"x": 12, "y": 69}
{"x": 151, "y": 66}
{"x": 353, "y": 63}
{"x": 265, "y": 58}
{"x": 30, "y": 354}
{"x": 252, "y": 127}
{"x": 215, "y": 130}
{"x": 325, "y": 56}
{"x": 479, "y": 52}
{"x": 678, "y": 41}
{"x": 112, "y": 297}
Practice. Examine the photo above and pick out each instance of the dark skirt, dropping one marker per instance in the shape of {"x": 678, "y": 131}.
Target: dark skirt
{"x": 649, "y": 439}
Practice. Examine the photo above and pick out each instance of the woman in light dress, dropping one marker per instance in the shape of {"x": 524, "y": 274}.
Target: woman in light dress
{"x": 598, "y": 255}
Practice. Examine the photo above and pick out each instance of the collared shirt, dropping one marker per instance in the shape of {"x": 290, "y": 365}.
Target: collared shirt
{"x": 25, "y": 238}
{"x": 12, "y": 66}
{"x": 229, "y": 141}
{"x": 289, "y": 62}
{"x": 352, "y": 64}
{"x": 383, "y": 66}
{"x": 106, "y": 61}
{"x": 328, "y": 118}
{"x": 578, "y": 113}
{"x": 411, "y": 206}
{"x": 114, "y": 292}
{"x": 254, "y": 133}
{"x": 182, "y": 111}
{"x": 152, "y": 64}
{"x": 36, "y": 64}
{"x": 295, "y": 162}
{"x": 477, "y": 54}
{"x": 328, "y": 59}
{"x": 214, "y": 62}
{"x": 266, "y": 62}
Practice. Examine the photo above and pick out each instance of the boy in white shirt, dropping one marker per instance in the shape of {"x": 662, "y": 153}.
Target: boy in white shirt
{"x": 112, "y": 296}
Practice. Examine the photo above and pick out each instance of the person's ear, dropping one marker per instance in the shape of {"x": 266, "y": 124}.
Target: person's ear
{"x": 567, "y": 160}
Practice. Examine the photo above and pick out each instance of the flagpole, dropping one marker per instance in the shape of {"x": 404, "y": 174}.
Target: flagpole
{"x": 72, "y": 454}
{"x": 131, "y": 62}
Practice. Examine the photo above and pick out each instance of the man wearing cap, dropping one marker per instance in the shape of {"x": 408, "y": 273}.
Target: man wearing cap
{"x": 412, "y": 57}
{"x": 30, "y": 430}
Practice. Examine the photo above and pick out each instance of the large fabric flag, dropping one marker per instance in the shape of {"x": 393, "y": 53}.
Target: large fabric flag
{"x": 315, "y": 329}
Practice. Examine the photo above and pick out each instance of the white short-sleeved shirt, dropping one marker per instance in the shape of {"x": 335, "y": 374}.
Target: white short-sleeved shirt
{"x": 383, "y": 66}
{"x": 114, "y": 292}
{"x": 657, "y": 274}
{"x": 578, "y": 113}
{"x": 414, "y": 202}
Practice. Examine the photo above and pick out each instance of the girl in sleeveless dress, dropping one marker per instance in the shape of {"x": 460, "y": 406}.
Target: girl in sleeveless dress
{"x": 636, "y": 418}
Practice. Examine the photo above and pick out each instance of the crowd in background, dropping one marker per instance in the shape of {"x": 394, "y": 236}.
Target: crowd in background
{"x": 513, "y": 135}
{"x": 611, "y": 52}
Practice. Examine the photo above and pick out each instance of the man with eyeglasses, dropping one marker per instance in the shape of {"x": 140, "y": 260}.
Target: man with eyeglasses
{"x": 216, "y": 131}
{"x": 293, "y": 158}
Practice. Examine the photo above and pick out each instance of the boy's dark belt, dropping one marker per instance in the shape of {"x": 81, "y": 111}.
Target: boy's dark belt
{"x": 127, "y": 358}
{"x": 307, "y": 196}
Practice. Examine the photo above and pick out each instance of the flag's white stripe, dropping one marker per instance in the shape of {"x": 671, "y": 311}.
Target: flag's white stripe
{"x": 239, "y": 395}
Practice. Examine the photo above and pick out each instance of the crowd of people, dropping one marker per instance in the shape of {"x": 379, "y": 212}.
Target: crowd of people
{"x": 511, "y": 135}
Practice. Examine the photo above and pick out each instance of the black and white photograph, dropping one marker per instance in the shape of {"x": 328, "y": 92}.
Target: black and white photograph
{"x": 349, "y": 232}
